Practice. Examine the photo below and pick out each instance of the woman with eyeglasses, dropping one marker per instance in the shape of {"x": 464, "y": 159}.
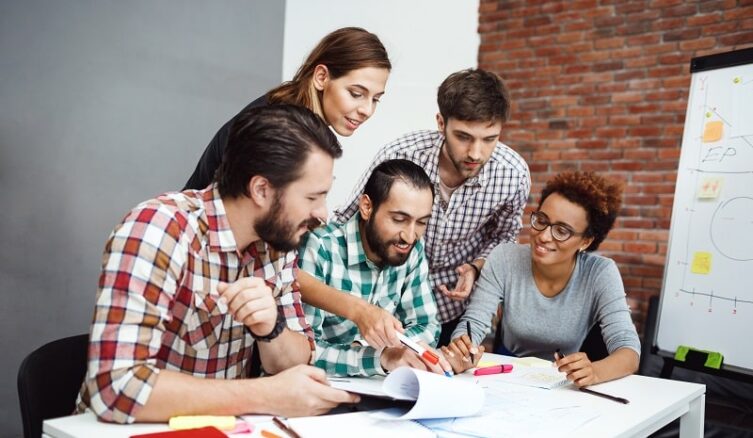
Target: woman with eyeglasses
{"x": 555, "y": 289}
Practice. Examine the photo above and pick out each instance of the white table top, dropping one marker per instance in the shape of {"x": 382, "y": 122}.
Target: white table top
{"x": 653, "y": 403}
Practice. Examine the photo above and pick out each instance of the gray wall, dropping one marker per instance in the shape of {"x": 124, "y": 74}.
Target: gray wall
{"x": 104, "y": 104}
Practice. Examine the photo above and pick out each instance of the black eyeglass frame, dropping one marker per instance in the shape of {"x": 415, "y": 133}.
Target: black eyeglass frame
{"x": 570, "y": 231}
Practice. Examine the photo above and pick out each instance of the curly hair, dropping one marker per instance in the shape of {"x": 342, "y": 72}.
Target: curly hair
{"x": 599, "y": 196}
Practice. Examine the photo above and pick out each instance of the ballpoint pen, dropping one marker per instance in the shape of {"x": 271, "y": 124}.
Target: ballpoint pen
{"x": 607, "y": 396}
{"x": 285, "y": 428}
{"x": 468, "y": 330}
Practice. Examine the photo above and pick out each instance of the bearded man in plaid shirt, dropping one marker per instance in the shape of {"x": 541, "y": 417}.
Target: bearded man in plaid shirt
{"x": 377, "y": 256}
{"x": 481, "y": 187}
{"x": 191, "y": 281}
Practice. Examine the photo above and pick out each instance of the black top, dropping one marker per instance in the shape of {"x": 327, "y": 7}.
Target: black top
{"x": 210, "y": 160}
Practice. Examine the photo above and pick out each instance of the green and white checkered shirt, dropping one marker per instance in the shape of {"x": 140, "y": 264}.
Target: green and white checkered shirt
{"x": 334, "y": 254}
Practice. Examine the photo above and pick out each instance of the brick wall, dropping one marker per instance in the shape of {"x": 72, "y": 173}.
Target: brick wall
{"x": 603, "y": 86}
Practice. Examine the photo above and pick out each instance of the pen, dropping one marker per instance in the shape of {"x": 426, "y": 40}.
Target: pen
{"x": 285, "y": 428}
{"x": 610, "y": 397}
{"x": 494, "y": 369}
{"x": 468, "y": 330}
{"x": 559, "y": 354}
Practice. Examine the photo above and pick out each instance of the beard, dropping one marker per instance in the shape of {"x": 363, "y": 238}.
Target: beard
{"x": 278, "y": 232}
{"x": 381, "y": 247}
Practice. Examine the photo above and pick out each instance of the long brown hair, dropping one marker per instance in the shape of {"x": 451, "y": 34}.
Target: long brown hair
{"x": 341, "y": 51}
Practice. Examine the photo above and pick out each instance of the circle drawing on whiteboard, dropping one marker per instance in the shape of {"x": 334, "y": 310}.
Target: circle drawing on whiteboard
{"x": 732, "y": 229}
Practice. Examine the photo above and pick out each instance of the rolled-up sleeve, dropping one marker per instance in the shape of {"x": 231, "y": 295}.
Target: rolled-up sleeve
{"x": 141, "y": 262}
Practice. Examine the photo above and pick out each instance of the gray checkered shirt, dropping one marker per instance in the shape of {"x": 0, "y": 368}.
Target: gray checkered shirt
{"x": 483, "y": 212}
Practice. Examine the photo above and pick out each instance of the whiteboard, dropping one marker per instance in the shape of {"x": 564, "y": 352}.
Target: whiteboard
{"x": 707, "y": 293}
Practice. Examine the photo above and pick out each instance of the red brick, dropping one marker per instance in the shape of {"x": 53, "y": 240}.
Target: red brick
{"x": 678, "y": 11}
{"x": 609, "y": 43}
{"x": 701, "y": 43}
{"x": 640, "y": 248}
{"x": 701, "y": 20}
{"x": 738, "y": 13}
{"x": 724, "y": 27}
{"x": 736, "y": 39}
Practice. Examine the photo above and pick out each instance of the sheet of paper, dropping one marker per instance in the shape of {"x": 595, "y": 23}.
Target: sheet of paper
{"x": 360, "y": 424}
{"x": 515, "y": 411}
{"x": 366, "y": 386}
{"x": 437, "y": 396}
{"x": 428, "y": 390}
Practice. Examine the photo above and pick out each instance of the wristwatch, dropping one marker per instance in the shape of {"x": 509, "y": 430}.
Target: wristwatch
{"x": 476, "y": 270}
{"x": 279, "y": 327}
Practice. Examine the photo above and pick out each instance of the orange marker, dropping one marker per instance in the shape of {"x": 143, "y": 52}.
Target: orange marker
{"x": 267, "y": 434}
{"x": 419, "y": 350}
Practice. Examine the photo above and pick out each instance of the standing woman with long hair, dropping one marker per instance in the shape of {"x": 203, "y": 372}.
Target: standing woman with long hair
{"x": 341, "y": 80}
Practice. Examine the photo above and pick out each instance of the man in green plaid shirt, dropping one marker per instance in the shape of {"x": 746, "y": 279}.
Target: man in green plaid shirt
{"x": 377, "y": 255}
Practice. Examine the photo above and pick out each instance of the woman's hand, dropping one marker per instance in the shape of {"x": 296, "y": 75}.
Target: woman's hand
{"x": 579, "y": 369}
{"x": 459, "y": 352}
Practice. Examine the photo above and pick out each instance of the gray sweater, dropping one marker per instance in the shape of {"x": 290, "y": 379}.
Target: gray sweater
{"x": 534, "y": 325}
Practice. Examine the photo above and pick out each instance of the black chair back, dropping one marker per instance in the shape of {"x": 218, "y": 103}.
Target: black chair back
{"x": 49, "y": 379}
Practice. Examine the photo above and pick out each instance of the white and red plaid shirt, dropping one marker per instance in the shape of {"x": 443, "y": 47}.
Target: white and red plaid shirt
{"x": 157, "y": 304}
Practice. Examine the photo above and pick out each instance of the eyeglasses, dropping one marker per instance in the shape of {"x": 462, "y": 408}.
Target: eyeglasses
{"x": 560, "y": 232}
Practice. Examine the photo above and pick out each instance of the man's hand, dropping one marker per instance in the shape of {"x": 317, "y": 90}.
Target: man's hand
{"x": 440, "y": 367}
{"x": 458, "y": 353}
{"x": 579, "y": 369}
{"x": 250, "y": 302}
{"x": 395, "y": 357}
{"x": 377, "y": 326}
{"x": 464, "y": 286}
{"x": 303, "y": 391}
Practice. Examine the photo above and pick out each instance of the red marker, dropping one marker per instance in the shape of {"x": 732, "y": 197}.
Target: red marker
{"x": 495, "y": 369}
{"x": 419, "y": 350}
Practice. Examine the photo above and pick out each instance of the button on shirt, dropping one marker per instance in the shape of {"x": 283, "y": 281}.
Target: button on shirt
{"x": 157, "y": 305}
{"x": 483, "y": 212}
{"x": 334, "y": 254}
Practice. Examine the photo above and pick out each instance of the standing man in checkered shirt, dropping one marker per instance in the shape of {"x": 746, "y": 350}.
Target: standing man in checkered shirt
{"x": 482, "y": 186}
{"x": 376, "y": 256}
{"x": 191, "y": 281}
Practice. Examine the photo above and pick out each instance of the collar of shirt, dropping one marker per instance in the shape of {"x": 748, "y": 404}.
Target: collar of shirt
{"x": 356, "y": 253}
{"x": 220, "y": 235}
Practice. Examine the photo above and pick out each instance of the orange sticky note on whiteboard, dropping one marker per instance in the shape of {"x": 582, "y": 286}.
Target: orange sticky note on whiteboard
{"x": 701, "y": 263}
{"x": 712, "y": 131}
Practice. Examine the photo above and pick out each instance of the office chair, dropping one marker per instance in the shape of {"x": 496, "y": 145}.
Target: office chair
{"x": 49, "y": 379}
{"x": 594, "y": 345}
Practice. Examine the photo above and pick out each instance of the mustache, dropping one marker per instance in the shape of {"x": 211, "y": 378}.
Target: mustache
{"x": 313, "y": 223}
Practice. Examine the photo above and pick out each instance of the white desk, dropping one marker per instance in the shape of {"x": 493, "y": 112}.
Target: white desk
{"x": 654, "y": 403}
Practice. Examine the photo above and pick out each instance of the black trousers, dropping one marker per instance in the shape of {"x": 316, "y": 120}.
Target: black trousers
{"x": 445, "y": 336}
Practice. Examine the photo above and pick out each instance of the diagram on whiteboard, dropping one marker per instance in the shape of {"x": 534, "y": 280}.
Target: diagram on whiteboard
{"x": 707, "y": 298}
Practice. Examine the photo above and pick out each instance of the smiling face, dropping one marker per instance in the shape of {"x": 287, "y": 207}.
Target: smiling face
{"x": 299, "y": 206}
{"x": 545, "y": 250}
{"x": 398, "y": 223}
{"x": 351, "y": 99}
{"x": 468, "y": 146}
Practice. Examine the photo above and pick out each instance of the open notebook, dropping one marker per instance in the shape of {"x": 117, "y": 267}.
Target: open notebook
{"x": 529, "y": 371}
{"x": 435, "y": 396}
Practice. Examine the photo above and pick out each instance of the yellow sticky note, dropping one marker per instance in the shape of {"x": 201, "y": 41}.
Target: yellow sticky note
{"x": 701, "y": 263}
{"x": 712, "y": 131}
{"x": 221, "y": 422}
{"x": 710, "y": 187}
{"x": 486, "y": 363}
